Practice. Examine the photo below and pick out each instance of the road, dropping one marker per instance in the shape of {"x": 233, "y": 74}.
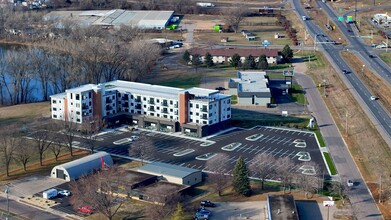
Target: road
{"x": 360, "y": 197}
{"x": 25, "y": 211}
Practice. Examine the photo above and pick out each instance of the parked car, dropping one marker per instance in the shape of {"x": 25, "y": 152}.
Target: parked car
{"x": 135, "y": 138}
{"x": 64, "y": 192}
{"x": 350, "y": 183}
{"x": 86, "y": 209}
{"x": 207, "y": 203}
{"x": 200, "y": 216}
{"x": 204, "y": 211}
{"x": 381, "y": 46}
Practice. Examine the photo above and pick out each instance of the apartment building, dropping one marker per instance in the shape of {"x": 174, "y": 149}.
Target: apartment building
{"x": 194, "y": 111}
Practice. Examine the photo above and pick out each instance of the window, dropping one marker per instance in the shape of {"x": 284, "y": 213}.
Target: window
{"x": 152, "y": 114}
{"x": 71, "y": 96}
{"x": 164, "y": 116}
{"x": 78, "y": 119}
{"x": 191, "y": 113}
{"x": 210, "y": 122}
{"x": 77, "y": 97}
{"x": 145, "y": 106}
{"x": 77, "y": 105}
{"x": 191, "y": 105}
{"x": 54, "y": 109}
{"x": 59, "y": 101}
{"x": 71, "y": 103}
{"x": 228, "y": 116}
{"x": 197, "y": 121}
{"x": 171, "y": 117}
{"x": 119, "y": 95}
{"x": 77, "y": 113}
{"x": 228, "y": 108}
{"x": 157, "y": 115}
{"x": 145, "y": 99}
{"x": 131, "y": 96}
{"x": 197, "y": 106}
{"x": 54, "y": 101}
{"x": 170, "y": 102}
{"x": 54, "y": 116}
{"x": 89, "y": 94}
{"x": 197, "y": 114}
{"x": 204, "y": 122}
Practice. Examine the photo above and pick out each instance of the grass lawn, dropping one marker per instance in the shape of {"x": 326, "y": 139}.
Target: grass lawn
{"x": 23, "y": 112}
{"x": 386, "y": 57}
{"x": 320, "y": 138}
{"x": 330, "y": 163}
{"x": 315, "y": 59}
{"x": 297, "y": 94}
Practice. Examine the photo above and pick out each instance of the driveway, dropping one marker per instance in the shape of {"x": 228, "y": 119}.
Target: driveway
{"x": 33, "y": 184}
{"x": 239, "y": 210}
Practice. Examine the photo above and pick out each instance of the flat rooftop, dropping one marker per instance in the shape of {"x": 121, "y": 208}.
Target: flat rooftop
{"x": 282, "y": 207}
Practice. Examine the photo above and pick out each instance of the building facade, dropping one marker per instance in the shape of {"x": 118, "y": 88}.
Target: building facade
{"x": 195, "y": 111}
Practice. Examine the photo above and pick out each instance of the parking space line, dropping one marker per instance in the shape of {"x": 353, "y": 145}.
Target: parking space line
{"x": 253, "y": 149}
{"x": 263, "y": 138}
{"x": 277, "y": 152}
{"x": 275, "y": 139}
{"x": 199, "y": 168}
{"x": 281, "y": 140}
{"x": 240, "y": 147}
{"x": 248, "y": 148}
{"x": 259, "y": 150}
{"x": 286, "y": 152}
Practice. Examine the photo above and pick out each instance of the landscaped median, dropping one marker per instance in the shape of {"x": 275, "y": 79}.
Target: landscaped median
{"x": 330, "y": 164}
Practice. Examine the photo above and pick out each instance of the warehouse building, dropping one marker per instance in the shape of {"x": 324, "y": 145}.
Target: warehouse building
{"x": 112, "y": 18}
{"x": 173, "y": 173}
{"x": 193, "y": 111}
{"x": 251, "y": 88}
{"x": 83, "y": 166}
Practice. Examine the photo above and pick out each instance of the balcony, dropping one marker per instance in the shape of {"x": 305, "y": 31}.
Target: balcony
{"x": 151, "y": 102}
{"x": 164, "y": 111}
{"x": 151, "y": 109}
{"x": 204, "y": 110}
{"x": 108, "y": 101}
{"x": 176, "y": 106}
{"x": 138, "y": 100}
{"x": 204, "y": 117}
{"x": 165, "y": 104}
{"x": 84, "y": 106}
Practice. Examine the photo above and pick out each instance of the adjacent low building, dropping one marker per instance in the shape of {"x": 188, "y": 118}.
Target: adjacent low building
{"x": 173, "y": 173}
{"x": 83, "y": 166}
{"x": 112, "y": 18}
{"x": 281, "y": 207}
{"x": 223, "y": 55}
{"x": 195, "y": 111}
{"x": 251, "y": 88}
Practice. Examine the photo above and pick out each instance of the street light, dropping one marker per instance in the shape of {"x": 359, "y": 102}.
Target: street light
{"x": 362, "y": 69}
{"x": 8, "y": 204}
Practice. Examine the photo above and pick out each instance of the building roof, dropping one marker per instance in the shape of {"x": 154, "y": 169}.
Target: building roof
{"x": 250, "y": 83}
{"x": 82, "y": 88}
{"x": 228, "y": 52}
{"x": 116, "y": 17}
{"x": 59, "y": 95}
{"x": 165, "y": 169}
{"x": 282, "y": 207}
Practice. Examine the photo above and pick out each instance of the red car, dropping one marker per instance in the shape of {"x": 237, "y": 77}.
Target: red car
{"x": 86, "y": 209}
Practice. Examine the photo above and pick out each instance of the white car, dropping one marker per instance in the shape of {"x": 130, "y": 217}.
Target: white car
{"x": 381, "y": 46}
{"x": 135, "y": 138}
{"x": 373, "y": 98}
{"x": 349, "y": 183}
{"x": 64, "y": 192}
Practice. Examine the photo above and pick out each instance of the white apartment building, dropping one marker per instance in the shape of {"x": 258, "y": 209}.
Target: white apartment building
{"x": 196, "y": 111}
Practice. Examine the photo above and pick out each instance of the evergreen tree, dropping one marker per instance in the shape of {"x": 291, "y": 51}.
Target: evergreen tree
{"x": 241, "y": 181}
{"x": 249, "y": 63}
{"x": 186, "y": 56}
{"x": 287, "y": 53}
{"x": 235, "y": 60}
{"x": 179, "y": 214}
{"x": 208, "y": 60}
{"x": 262, "y": 63}
{"x": 196, "y": 61}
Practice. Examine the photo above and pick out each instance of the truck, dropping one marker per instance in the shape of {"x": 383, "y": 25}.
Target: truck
{"x": 49, "y": 194}
{"x": 205, "y": 4}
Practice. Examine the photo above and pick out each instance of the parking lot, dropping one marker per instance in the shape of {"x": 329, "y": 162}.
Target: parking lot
{"x": 300, "y": 146}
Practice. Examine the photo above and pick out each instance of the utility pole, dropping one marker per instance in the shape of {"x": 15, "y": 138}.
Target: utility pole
{"x": 315, "y": 43}
{"x": 346, "y": 122}
{"x": 8, "y": 204}
{"x": 355, "y": 11}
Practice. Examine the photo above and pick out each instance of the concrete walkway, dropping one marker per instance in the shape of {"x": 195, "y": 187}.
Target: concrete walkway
{"x": 359, "y": 194}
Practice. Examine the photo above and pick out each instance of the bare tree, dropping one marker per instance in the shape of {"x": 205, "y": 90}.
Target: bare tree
{"x": 218, "y": 167}
{"x": 69, "y": 130}
{"x": 309, "y": 183}
{"x": 285, "y": 172}
{"x": 56, "y": 148}
{"x": 8, "y": 145}
{"x": 165, "y": 195}
{"x": 263, "y": 167}
{"x": 235, "y": 16}
{"x": 100, "y": 191}
{"x": 141, "y": 149}
{"x": 43, "y": 139}
{"x": 24, "y": 153}
{"x": 89, "y": 129}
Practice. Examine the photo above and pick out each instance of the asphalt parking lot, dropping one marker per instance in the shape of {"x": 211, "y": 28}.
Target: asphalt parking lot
{"x": 275, "y": 142}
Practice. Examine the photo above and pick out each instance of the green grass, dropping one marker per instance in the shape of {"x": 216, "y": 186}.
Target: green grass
{"x": 386, "y": 57}
{"x": 234, "y": 99}
{"x": 297, "y": 94}
{"x": 320, "y": 138}
{"x": 182, "y": 82}
{"x": 313, "y": 59}
{"x": 330, "y": 163}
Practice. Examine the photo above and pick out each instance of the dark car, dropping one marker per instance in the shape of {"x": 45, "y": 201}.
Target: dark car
{"x": 344, "y": 71}
{"x": 220, "y": 88}
{"x": 207, "y": 203}
{"x": 371, "y": 56}
{"x": 204, "y": 211}
{"x": 200, "y": 216}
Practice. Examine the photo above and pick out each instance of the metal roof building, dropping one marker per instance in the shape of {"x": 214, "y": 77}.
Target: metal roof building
{"x": 173, "y": 173}
{"x": 83, "y": 166}
{"x": 251, "y": 88}
{"x": 114, "y": 18}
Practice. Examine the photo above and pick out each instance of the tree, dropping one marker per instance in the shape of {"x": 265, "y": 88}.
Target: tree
{"x": 217, "y": 167}
{"x": 309, "y": 182}
{"x": 43, "y": 139}
{"x": 262, "y": 167}
{"x": 141, "y": 149}
{"x": 89, "y": 129}
{"x": 235, "y": 16}
{"x": 208, "y": 60}
{"x": 69, "y": 130}
{"x": 101, "y": 191}
{"x": 8, "y": 145}
{"x": 56, "y": 147}
{"x": 235, "y": 60}
{"x": 284, "y": 172}
{"x": 179, "y": 214}
{"x": 24, "y": 153}
{"x": 249, "y": 63}
{"x": 241, "y": 182}
{"x": 196, "y": 61}
{"x": 168, "y": 198}
{"x": 262, "y": 63}
{"x": 287, "y": 53}
{"x": 186, "y": 56}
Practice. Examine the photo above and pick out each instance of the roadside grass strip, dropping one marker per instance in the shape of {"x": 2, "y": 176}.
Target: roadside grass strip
{"x": 205, "y": 144}
{"x": 320, "y": 138}
{"x": 123, "y": 141}
{"x": 304, "y": 156}
{"x": 300, "y": 143}
{"x": 231, "y": 147}
{"x": 330, "y": 163}
{"x": 307, "y": 170}
{"x": 206, "y": 156}
{"x": 184, "y": 152}
{"x": 254, "y": 137}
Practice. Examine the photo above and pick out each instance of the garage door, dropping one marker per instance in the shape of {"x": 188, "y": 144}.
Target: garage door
{"x": 60, "y": 174}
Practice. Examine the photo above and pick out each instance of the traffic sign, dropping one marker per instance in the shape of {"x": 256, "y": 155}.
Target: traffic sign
{"x": 288, "y": 73}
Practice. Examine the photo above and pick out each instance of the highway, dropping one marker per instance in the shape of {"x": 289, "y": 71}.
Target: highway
{"x": 360, "y": 197}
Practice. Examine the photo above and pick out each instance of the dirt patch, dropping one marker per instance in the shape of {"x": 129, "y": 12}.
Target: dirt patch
{"x": 203, "y": 22}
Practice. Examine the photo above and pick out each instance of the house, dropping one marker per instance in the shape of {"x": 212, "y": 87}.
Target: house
{"x": 223, "y": 55}
{"x": 251, "y": 88}
{"x": 193, "y": 111}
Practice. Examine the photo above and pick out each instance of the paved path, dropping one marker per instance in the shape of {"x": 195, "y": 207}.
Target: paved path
{"x": 359, "y": 195}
